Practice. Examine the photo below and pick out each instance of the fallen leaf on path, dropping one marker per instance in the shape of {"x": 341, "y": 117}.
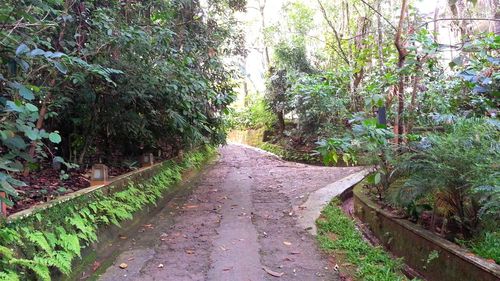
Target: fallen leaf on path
{"x": 96, "y": 265}
{"x": 123, "y": 265}
{"x": 287, "y": 243}
{"x": 272, "y": 273}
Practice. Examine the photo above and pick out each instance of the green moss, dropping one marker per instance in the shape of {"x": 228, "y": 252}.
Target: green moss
{"x": 371, "y": 263}
{"x": 34, "y": 247}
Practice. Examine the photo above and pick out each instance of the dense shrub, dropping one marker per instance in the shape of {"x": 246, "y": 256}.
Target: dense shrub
{"x": 459, "y": 168}
{"x": 88, "y": 80}
{"x": 256, "y": 114}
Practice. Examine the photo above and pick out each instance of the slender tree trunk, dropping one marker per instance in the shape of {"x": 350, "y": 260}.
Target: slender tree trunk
{"x": 281, "y": 122}
{"x": 380, "y": 39}
{"x": 413, "y": 102}
{"x": 262, "y": 7}
{"x": 402, "y": 53}
{"x": 39, "y": 125}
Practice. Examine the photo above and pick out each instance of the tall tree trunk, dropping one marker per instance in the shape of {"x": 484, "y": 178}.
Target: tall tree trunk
{"x": 262, "y": 7}
{"x": 402, "y": 53}
{"x": 413, "y": 102}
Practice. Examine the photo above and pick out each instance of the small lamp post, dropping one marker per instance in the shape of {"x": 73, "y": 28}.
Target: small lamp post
{"x": 3, "y": 205}
{"x": 147, "y": 160}
{"x": 99, "y": 174}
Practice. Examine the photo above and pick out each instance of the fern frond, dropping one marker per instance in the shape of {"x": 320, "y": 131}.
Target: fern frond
{"x": 41, "y": 270}
{"x": 38, "y": 239}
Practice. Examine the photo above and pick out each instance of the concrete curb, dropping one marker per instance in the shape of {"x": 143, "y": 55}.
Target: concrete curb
{"x": 310, "y": 211}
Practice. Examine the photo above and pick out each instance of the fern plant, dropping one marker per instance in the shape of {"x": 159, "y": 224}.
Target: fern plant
{"x": 452, "y": 166}
{"x": 33, "y": 247}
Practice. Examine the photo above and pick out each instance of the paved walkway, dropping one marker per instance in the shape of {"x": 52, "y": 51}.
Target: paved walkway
{"x": 240, "y": 222}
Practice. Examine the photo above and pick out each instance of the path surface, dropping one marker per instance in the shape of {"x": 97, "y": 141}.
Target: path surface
{"x": 240, "y": 218}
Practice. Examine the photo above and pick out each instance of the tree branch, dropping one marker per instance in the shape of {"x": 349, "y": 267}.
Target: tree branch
{"x": 375, "y": 10}
{"x": 339, "y": 43}
{"x": 453, "y": 19}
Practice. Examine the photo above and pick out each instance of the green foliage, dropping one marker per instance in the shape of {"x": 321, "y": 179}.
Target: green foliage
{"x": 68, "y": 69}
{"x": 372, "y": 263}
{"x": 369, "y": 144}
{"x": 487, "y": 246}
{"x": 289, "y": 154}
{"x": 319, "y": 99}
{"x": 291, "y": 57}
{"x": 456, "y": 166}
{"x": 334, "y": 149}
{"x": 31, "y": 248}
{"x": 255, "y": 115}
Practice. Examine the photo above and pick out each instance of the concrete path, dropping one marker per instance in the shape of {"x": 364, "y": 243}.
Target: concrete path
{"x": 243, "y": 220}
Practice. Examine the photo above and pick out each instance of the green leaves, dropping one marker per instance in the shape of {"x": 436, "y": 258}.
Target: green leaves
{"x": 372, "y": 263}
{"x": 55, "y": 137}
{"x": 61, "y": 67}
{"x": 31, "y": 107}
{"x": 375, "y": 178}
{"x": 26, "y": 93}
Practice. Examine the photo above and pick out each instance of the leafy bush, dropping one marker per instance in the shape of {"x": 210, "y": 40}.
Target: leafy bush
{"x": 319, "y": 99}
{"x": 369, "y": 144}
{"x": 289, "y": 154}
{"x": 334, "y": 149}
{"x": 255, "y": 115}
{"x": 70, "y": 69}
{"x": 452, "y": 166}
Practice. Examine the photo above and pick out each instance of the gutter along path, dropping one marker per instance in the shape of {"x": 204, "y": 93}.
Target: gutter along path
{"x": 242, "y": 221}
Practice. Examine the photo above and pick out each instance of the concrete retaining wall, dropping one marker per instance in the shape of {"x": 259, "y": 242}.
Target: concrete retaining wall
{"x": 418, "y": 246}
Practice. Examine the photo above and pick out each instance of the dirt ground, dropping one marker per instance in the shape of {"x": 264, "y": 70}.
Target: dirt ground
{"x": 237, "y": 223}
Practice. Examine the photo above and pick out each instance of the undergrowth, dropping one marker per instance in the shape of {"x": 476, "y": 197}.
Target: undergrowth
{"x": 289, "y": 155}
{"x": 487, "y": 246}
{"x": 372, "y": 263}
{"x": 36, "y": 247}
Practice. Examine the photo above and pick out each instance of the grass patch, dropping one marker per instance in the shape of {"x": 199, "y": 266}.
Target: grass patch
{"x": 337, "y": 234}
{"x": 488, "y": 246}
